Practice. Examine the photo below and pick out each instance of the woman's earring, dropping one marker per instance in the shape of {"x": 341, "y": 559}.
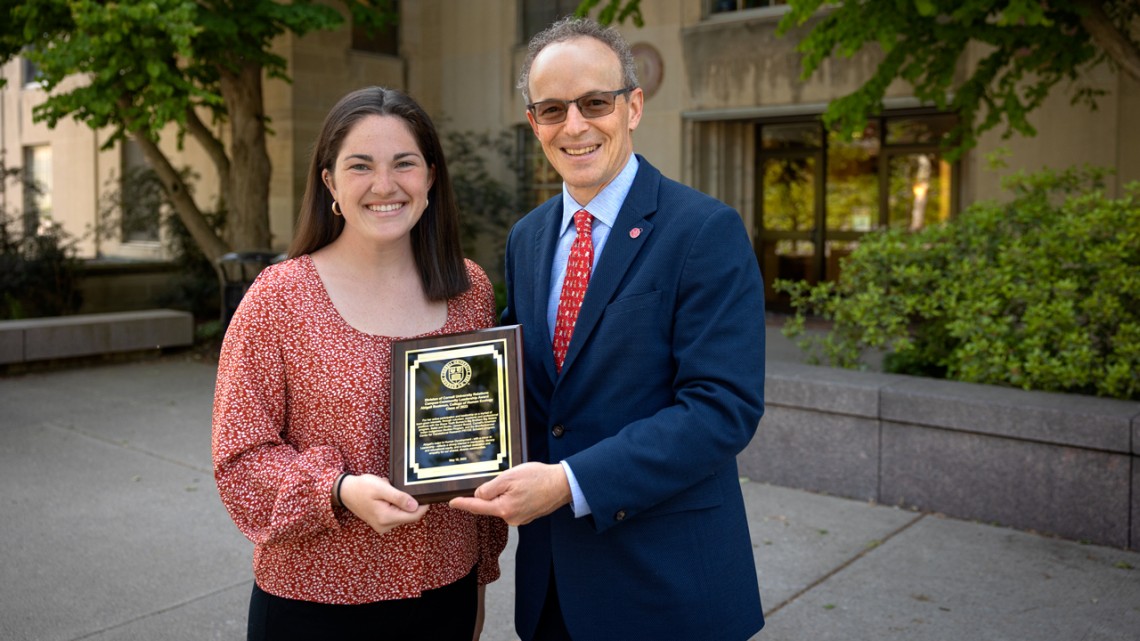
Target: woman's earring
{"x": 335, "y": 209}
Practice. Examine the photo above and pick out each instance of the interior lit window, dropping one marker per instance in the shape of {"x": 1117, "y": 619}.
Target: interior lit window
{"x": 37, "y": 187}
{"x": 820, "y": 193}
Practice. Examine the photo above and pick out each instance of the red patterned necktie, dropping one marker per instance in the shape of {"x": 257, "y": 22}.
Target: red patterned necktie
{"x": 574, "y": 287}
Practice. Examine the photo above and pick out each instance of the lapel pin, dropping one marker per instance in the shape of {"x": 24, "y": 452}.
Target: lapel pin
{"x": 635, "y": 232}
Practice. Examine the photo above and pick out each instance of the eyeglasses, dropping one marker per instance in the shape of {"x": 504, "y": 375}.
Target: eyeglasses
{"x": 591, "y": 105}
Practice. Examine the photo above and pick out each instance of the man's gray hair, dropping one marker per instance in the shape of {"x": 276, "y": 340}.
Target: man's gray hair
{"x": 569, "y": 28}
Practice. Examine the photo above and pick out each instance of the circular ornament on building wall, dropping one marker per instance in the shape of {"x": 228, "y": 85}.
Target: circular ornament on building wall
{"x": 650, "y": 67}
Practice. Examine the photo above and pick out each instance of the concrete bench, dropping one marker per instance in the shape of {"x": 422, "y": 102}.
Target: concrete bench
{"x": 39, "y": 339}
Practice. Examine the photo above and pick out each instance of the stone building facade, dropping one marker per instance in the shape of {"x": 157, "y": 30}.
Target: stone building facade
{"x": 726, "y": 112}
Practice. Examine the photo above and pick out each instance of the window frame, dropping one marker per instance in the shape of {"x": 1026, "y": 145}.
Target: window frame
{"x": 385, "y": 42}
{"x": 551, "y": 12}
{"x": 819, "y": 268}
{"x": 37, "y": 187}
{"x": 531, "y": 155}
{"x": 718, "y": 10}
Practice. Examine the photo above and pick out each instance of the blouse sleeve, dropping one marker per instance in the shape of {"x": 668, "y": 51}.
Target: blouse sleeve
{"x": 273, "y": 492}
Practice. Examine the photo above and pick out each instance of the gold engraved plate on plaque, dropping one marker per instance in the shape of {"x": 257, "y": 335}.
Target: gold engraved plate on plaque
{"x": 457, "y": 411}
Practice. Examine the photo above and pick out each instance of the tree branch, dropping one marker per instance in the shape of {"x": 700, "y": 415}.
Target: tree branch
{"x": 196, "y": 223}
{"x": 214, "y": 149}
{"x": 180, "y": 197}
{"x": 1110, "y": 38}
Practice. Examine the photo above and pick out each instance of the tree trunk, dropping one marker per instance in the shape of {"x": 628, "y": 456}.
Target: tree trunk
{"x": 1109, "y": 37}
{"x": 247, "y": 213}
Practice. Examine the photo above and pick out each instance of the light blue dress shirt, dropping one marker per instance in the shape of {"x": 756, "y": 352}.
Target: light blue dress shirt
{"x": 604, "y": 208}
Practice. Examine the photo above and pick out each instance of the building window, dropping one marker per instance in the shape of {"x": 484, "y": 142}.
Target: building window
{"x": 29, "y": 72}
{"x": 383, "y": 40}
{"x": 540, "y": 14}
{"x": 37, "y": 187}
{"x": 727, "y": 6}
{"x": 141, "y": 197}
{"x": 540, "y": 181}
{"x": 818, "y": 195}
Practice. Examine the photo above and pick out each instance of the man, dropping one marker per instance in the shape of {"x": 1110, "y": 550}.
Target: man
{"x": 632, "y": 523}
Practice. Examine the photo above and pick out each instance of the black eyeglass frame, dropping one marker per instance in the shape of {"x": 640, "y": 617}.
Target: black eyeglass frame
{"x": 533, "y": 107}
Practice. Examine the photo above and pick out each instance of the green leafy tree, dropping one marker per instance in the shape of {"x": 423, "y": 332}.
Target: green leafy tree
{"x": 1030, "y": 48}
{"x": 136, "y": 67}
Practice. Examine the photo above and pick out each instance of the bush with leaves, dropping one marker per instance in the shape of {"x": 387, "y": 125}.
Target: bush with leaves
{"x": 487, "y": 206}
{"x": 39, "y": 273}
{"x": 1041, "y": 292}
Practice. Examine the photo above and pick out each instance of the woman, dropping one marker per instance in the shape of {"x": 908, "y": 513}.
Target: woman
{"x": 300, "y": 440}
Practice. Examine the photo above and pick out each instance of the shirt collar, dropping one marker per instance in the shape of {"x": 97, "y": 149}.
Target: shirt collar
{"x": 606, "y": 205}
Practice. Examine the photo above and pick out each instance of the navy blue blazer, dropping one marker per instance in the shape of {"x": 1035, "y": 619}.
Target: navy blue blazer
{"x": 662, "y": 386}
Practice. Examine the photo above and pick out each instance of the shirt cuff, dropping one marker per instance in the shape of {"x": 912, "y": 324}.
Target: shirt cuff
{"x": 577, "y": 500}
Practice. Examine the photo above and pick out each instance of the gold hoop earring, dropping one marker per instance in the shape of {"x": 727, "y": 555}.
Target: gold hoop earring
{"x": 336, "y": 210}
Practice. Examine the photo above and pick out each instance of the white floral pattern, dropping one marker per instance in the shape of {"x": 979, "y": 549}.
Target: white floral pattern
{"x": 301, "y": 397}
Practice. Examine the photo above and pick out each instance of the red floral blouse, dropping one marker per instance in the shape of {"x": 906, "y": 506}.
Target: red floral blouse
{"x": 301, "y": 397}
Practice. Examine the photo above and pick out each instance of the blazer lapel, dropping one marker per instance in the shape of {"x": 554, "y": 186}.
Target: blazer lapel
{"x": 629, "y": 235}
{"x": 547, "y": 239}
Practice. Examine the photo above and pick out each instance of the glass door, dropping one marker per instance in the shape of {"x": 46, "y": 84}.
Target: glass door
{"x": 790, "y": 164}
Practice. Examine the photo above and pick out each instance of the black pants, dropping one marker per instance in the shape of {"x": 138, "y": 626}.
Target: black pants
{"x": 446, "y": 613}
{"x": 551, "y": 626}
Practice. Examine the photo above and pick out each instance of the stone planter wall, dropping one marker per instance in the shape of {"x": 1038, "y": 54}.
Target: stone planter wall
{"x": 1059, "y": 464}
{"x": 119, "y": 287}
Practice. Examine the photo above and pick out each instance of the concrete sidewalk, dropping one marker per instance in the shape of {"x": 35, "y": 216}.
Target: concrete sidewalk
{"x": 112, "y": 530}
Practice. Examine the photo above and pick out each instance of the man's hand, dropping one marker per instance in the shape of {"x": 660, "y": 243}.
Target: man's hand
{"x": 520, "y": 495}
{"x": 378, "y": 504}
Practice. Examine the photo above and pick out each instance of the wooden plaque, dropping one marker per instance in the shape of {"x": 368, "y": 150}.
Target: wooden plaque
{"x": 458, "y": 412}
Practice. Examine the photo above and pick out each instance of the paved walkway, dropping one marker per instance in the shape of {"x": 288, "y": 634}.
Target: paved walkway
{"x": 112, "y": 530}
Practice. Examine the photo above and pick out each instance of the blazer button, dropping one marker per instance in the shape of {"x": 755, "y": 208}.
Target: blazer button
{"x": 558, "y": 431}
{"x": 620, "y": 515}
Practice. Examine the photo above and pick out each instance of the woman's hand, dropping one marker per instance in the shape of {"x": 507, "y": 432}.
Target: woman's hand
{"x": 377, "y": 503}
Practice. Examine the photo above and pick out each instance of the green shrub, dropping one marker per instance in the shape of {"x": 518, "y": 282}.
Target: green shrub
{"x": 196, "y": 288}
{"x": 1041, "y": 292}
{"x": 487, "y": 206}
{"x": 39, "y": 273}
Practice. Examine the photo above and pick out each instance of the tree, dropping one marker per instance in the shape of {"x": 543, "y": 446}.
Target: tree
{"x": 1031, "y": 46}
{"x": 139, "y": 66}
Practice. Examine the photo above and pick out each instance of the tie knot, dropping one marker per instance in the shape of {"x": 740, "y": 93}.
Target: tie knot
{"x": 582, "y": 222}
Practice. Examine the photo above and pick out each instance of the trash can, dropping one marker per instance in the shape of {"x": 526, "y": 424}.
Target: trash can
{"x": 237, "y": 273}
